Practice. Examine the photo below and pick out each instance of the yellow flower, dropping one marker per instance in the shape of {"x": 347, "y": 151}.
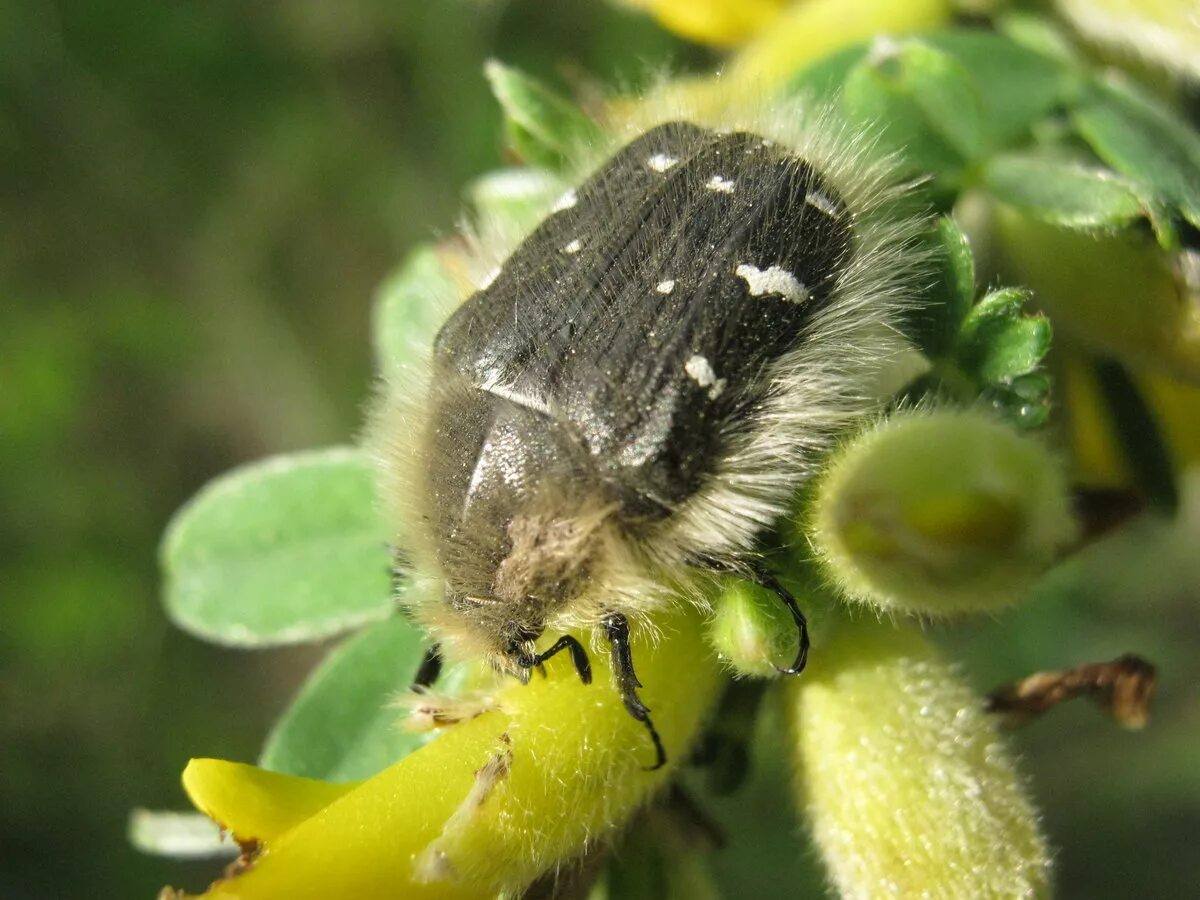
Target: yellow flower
{"x": 811, "y": 29}
{"x": 880, "y": 724}
{"x": 1161, "y": 32}
{"x": 719, "y": 22}
{"x": 488, "y": 806}
{"x": 779, "y": 37}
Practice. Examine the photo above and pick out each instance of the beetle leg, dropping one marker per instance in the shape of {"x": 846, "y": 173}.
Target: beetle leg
{"x": 429, "y": 670}
{"x": 578, "y": 656}
{"x": 616, "y": 629}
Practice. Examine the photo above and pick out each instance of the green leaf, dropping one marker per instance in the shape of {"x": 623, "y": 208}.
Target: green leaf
{"x": 824, "y": 79}
{"x": 342, "y": 725}
{"x": 1063, "y": 193}
{"x": 882, "y": 88}
{"x": 1016, "y": 84}
{"x": 1145, "y": 140}
{"x": 1035, "y": 32}
{"x": 934, "y": 325}
{"x": 997, "y": 342}
{"x": 1013, "y": 86}
{"x": 946, "y": 93}
{"x": 518, "y": 197}
{"x": 285, "y": 550}
{"x": 410, "y": 306}
{"x": 543, "y": 127}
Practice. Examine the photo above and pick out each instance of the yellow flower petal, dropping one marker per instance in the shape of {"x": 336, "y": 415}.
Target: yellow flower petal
{"x": 719, "y": 22}
{"x": 1166, "y": 32}
{"x": 497, "y": 800}
{"x": 1178, "y": 413}
{"x": 907, "y": 786}
{"x": 816, "y": 28}
{"x": 1097, "y": 456}
{"x": 253, "y": 804}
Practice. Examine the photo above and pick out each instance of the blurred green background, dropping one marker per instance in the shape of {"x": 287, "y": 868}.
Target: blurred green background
{"x": 197, "y": 201}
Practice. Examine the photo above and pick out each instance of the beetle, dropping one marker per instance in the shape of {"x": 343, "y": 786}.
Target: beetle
{"x": 627, "y": 405}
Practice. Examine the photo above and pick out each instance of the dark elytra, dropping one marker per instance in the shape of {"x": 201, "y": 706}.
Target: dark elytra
{"x": 571, "y": 369}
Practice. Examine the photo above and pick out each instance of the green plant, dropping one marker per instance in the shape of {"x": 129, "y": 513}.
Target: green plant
{"x": 1037, "y": 162}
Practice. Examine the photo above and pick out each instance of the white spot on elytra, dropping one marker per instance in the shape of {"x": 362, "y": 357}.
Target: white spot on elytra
{"x": 660, "y": 162}
{"x": 819, "y": 201}
{"x": 700, "y": 370}
{"x": 489, "y": 278}
{"x": 574, "y": 247}
{"x": 772, "y": 280}
{"x": 717, "y": 183}
{"x": 665, "y": 287}
{"x": 566, "y": 201}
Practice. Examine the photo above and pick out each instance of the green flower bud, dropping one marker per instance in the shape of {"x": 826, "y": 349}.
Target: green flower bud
{"x": 906, "y": 785}
{"x": 940, "y": 512}
{"x": 751, "y": 630}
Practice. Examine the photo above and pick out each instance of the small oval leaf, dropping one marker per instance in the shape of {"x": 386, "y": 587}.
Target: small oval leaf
{"x": 946, "y": 93}
{"x": 934, "y": 323}
{"x": 1003, "y": 87}
{"x": 1017, "y": 85}
{"x": 341, "y": 726}
{"x": 1141, "y": 138}
{"x": 285, "y": 550}
{"x": 542, "y": 126}
{"x": 409, "y": 307}
{"x": 878, "y": 90}
{"x": 1063, "y": 193}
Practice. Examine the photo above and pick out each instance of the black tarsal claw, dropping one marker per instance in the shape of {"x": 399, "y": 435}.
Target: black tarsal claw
{"x": 771, "y": 583}
{"x": 660, "y": 753}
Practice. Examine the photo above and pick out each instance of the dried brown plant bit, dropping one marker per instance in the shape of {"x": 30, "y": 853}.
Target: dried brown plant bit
{"x": 430, "y": 710}
{"x": 434, "y": 863}
{"x": 250, "y": 849}
{"x": 1123, "y": 688}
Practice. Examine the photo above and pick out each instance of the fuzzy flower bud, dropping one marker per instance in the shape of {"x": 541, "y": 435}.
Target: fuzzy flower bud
{"x": 940, "y": 512}
{"x": 907, "y": 787}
